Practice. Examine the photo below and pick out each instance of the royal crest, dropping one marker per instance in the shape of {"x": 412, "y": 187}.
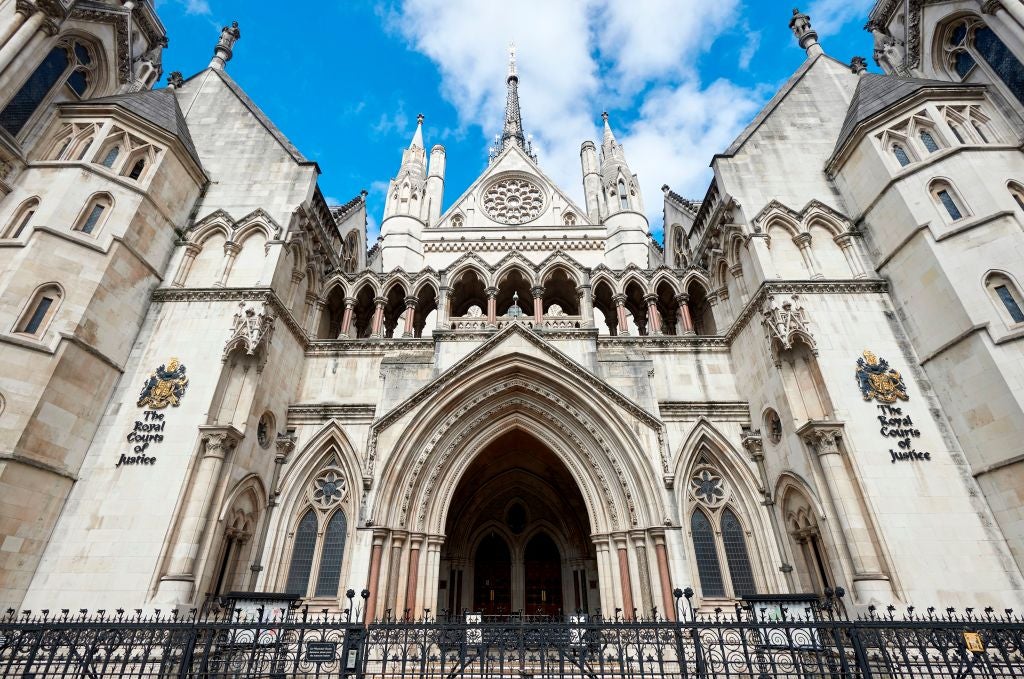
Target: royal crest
{"x": 878, "y": 381}
{"x": 164, "y": 387}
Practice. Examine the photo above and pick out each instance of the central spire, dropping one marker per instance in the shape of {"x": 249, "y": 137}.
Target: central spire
{"x": 512, "y": 133}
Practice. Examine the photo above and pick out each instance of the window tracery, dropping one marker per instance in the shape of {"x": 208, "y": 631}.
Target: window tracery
{"x": 969, "y": 42}
{"x": 71, "y": 62}
{"x": 513, "y": 200}
{"x": 318, "y": 546}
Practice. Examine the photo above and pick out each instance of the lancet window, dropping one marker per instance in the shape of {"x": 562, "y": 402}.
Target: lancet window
{"x": 970, "y": 41}
{"x": 719, "y": 539}
{"x": 319, "y": 538}
{"x": 70, "y": 63}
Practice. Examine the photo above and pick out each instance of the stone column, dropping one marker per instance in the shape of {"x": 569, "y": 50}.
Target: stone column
{"x": 442, "y": 306}
{"x": 313, "y": 309}
{"x": 870, "y": 584}
{"x": 538, "y": 305}
{"x": 653, "y": 315}
{"x": 845, "y": 243}
{"x": 394, "y": 571}
{"x": 378, "y": 317}
{"x": 22, "y": 10}
{"x": 346, "y": 318}
{"x": 607, "y": 576}
{"x": 685, "y": 320}
{"x": 737, "y": 275}
{"x": 410, "y": 315}
{"x": 231, "y": 250}
{"x": 373, "y": 582}
{"x": 664, "y": 576}
{"x": 178, "y": 584}
{"x": 189, "y": 258}
{"x": 620, "y": 314}
{"x": 413, "y": 574}
{"x": 585, "y": 293}
{"x": 803, "y": 241}
{"x": 492, "y": 306}
{"x": 1010, "y": 14}
{"x": 428, "y": 593}
{"x": 754, "y": 445}
{"x": 297, "y": 277}
{"x": 285, "y": 444}
{"x": 627, "y": 585}
{"x": 644, "y": 570}
{"x": 36, "y": 21}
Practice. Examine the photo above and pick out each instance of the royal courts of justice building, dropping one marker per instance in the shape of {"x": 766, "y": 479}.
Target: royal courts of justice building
{"x": 211, "y": 382}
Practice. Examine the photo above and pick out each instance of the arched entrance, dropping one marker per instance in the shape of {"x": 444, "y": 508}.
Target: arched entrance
{"x": 517, "y": 535}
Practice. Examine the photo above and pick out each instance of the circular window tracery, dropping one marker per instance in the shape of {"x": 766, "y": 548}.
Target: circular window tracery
{"x": 264, "y": 429}
{"x": 513, "y": 200}
{"x": 328, "y": 489}
{"x": 708, "y": 487}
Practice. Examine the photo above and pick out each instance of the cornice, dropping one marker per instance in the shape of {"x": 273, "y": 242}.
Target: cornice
{"x": 684, "y": 342}
{"x": 485, "y": 245}
{"x": 370, "y": 346}
{"x": 691, "y": 410}
{"x": 265, "y": 295}
{"x": 312, "y": 413}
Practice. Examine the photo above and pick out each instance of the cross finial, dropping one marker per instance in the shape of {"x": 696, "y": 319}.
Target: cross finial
{"x": 512, "y": 60}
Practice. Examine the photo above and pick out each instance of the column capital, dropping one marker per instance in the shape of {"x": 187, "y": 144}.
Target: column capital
{"x": 285, "y": 444}
{"x": 991, "y": 6}
{"x": 350, "y": 302}
{"x": 380, "y": 301}
{"x": 25, "y": 7}
{"x": 232, "y": 248}
{"x": 682, "y": 298}
{"x": 650, "y": 298}
{"x": 823, "y": 436}
{"x": 411, "y": 302}
{"x": 736, "y": 270}
{"x": 492, "y": 292}
{"x": 379, "y": 536}
{"x": 619, "y": 298}
{"x": 802, "y": 239}
{"x": 193, "y": 249}
{"x": 398, "y": 537}
{"x": 537, "y": 291}
{"x": 753, "y": 444}
{"x": 297, "y": 274}
{"x": 219, "y": 441}
{"x": 843, "y": 240}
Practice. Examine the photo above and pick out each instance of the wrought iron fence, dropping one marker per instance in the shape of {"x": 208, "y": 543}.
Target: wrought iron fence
{"x": 755, "y": 641}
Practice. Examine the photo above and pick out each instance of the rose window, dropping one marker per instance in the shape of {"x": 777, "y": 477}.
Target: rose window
{"x": 328, "y": 488}
{"x": 513, "y": 200}
{"x": 707, "y": 487}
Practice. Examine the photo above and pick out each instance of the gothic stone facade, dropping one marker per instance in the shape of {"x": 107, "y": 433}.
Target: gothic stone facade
{"x": 209, "y": 383}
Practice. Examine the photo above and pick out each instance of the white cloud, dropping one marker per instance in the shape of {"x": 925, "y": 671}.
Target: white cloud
{"x": 577, "y": 59}
{"x": 749, "y": 49}
{"x": 829, "y": 16}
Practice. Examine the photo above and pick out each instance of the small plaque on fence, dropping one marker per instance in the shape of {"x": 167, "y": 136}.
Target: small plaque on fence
{"x": 474, "y": 635}
{"x": 974, "y": 642}
{"x": 321, "y": 651}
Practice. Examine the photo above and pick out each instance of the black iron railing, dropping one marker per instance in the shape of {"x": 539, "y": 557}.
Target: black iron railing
{"x": 751, "y": 641}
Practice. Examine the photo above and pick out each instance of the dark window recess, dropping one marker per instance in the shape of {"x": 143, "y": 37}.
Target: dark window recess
{"x": 302, "y": 555}
{"x": 27, "y": 100}
{"x": 1010, "y": 302}
{"x": 32, "y": 327}
{"x": 950, "y": 205}
{"x": 708, "y": 568}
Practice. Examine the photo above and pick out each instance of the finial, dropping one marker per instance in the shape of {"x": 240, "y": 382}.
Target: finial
{"x": 859, "y": 65}
{"x": 512, "y": 61}
{"x": 175, "y": 80}
{"x": 419, "y": 118}
{"x": 229, "y": 35}
{"x": 604, "y": 116}
{"x": 800, "y": 24}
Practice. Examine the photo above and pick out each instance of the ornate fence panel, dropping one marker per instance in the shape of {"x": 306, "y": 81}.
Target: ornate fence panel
{"x": 748, "y": 643}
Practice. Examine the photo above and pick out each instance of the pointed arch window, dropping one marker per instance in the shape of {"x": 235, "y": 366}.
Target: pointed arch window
{"x": 970, "y": 41}
{"x": 957, "y": 132}
{"x": 1017, "y": 193}
{"x": 111, "y": 156}
{"x": 623, "y": 196}
{"x": 70, "y": 62}
{"x": 719, "y": 539}
{"x": 138, "y": 167}
{"x": 39, "y": 312}
{"x": 943, "y": 194}
{"x": 318, "y": 548}
{"x": 1006, "y": 297}
{"x": 95, "y": 214}
{"x": 901, "y": 155}
{"x": 979, "y": 128}
{"x": 928, "y": 140}
{"x": 22, "y": 218}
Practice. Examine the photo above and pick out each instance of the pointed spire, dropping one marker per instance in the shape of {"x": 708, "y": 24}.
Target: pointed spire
{"x": 610, "y": 148}
{"x": 417, "y": 137}
{"x": 512, "y": 133}
{"x": 609, "y": 138}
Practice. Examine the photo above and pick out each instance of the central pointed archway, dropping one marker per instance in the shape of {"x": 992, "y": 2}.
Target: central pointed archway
{"x": 518, "y": 538}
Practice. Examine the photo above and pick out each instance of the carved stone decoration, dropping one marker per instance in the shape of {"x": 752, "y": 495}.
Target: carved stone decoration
{"x": 164, "y": 387}
{"x": 784, "y": 322}
{"x": 252, "y": 329}
{"x": 823, "y": 439}
{"x": 878, "y": 381}
{"x": 328, "y": 489}
{"x": 513, "y": 200}
{"x": 708, "y": 487}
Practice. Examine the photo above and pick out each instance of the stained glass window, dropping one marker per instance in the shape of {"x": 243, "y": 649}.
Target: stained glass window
{"x": 21, "y": 107}
{"x": 330, "y": 558}
{"x": 302, "y": 555}
{"x": 736, "y": 555}
{"x": 1008, "y": 300}
{"x": 949, "y": 204}
{"x": 929, "y": 141}
{"x": 1002, "y": 60}
{"x": 901, "y": 155}
{"x": 111, "y": 157}
{"x": 708, "y": 568}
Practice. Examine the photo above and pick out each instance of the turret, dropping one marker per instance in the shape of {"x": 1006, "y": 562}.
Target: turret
{"x": 596, "y": 209}
{"x": 623, "y": 205}
{"x": 435, "y": 184}
{"x": 406, "y": 207}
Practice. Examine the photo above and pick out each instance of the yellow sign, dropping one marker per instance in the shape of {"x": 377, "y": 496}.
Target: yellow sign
{"x": 974, "y": 642}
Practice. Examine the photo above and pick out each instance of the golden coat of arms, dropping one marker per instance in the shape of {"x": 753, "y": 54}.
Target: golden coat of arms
{"x": 164, "y": 387}
{"x": 878, "y": 381}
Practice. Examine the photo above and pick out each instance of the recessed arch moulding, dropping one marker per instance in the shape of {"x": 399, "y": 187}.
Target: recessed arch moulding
{"x": 418, "y": 454}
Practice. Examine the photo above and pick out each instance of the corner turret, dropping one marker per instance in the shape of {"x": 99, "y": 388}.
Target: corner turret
{"x": 623, "y": 205}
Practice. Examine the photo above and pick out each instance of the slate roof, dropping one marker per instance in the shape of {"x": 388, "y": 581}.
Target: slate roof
{"x": 159, "y": 107}
{"x": 876, "y": 93}
{"x": 261, "y": 116}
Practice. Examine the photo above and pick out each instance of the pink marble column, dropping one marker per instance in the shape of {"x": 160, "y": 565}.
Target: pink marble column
{"x": 346, "y": 319}
{"x": 410, "y": 314}
{"x": 492, "y": 306}
{"x": 627, "y": 589}
{"x": 620, "y": 312}
{"x": 378, "y": 317}
{"x": 653, "y": 317}
{"x": 684, "y": 314}
{"x": 538, "y": 305}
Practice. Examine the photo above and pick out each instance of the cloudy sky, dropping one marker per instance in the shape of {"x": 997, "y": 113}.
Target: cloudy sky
{"x": 345, "y": 80}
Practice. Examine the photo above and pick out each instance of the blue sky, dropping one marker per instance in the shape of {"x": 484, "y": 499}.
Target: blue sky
{"x": 344, "y": 80}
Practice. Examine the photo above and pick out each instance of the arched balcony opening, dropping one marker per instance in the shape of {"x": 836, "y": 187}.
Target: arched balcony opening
{"x": 332, "y": 314}
{"x": 700, "y": 309}
{"x": 668, "y": 307}
{"x": 394, "y": 311}
{"x": 425, "y": 318}
{"x": 515, "y": 281}
{"x": 468, "y": 292}
{"x": 636, "y": 310}
{"x": 560, "y": 290}
{"x": 363, "y": 312}
{"x": 605, "y": 314}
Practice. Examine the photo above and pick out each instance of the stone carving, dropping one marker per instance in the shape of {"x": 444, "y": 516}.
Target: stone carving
{"x": 474, "y": 311}
{"x": 555, "y": 310}
{"x": 878, "y": 381}
{"x": 328, "y": 489}
{"x": 513, "y": 200}
{"x": 252, "y": 329}
{"x": 708, "y": 487}
{"x": 784, "y": 322}
{"x": 165, "y": 386}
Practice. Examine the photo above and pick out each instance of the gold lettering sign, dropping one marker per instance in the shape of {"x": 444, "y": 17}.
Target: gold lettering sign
{"x": 878, "y": 381}
{"x": 164, "y": 387}
{"x": 974, "y": 642}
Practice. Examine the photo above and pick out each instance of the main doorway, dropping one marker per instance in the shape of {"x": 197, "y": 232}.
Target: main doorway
{"x": 517, "y": 537}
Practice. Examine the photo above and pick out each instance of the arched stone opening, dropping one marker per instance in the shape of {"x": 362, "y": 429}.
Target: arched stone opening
{"x": 560, "y": 289}
{"x": 332, "y": 314}
{"x": 700, "y": 309}
{"x": 362, "y": 319}
{"x": 604, "y": 305}
{"x": 515, "y": 281}
{"x": 468, "y": 291}
{"x": 636, "y": 308}
{"x": 517, "y": 535}
{"x": 425, "y": 317}
{"x": 394, "y": 310}
{"x": 668, "y": 308}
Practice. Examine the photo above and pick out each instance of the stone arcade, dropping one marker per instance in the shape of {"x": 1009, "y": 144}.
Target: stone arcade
{"x": 516, "y": 402}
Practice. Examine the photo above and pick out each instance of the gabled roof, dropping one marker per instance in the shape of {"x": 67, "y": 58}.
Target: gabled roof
{"x": 159, "y": 107}
{"x": 877, "y": 93}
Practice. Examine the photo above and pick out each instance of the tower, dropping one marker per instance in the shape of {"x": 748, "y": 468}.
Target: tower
{"x": 408, "y": 207}
{"x": 621, "y": 200}
{"x": 512, "y": 132}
